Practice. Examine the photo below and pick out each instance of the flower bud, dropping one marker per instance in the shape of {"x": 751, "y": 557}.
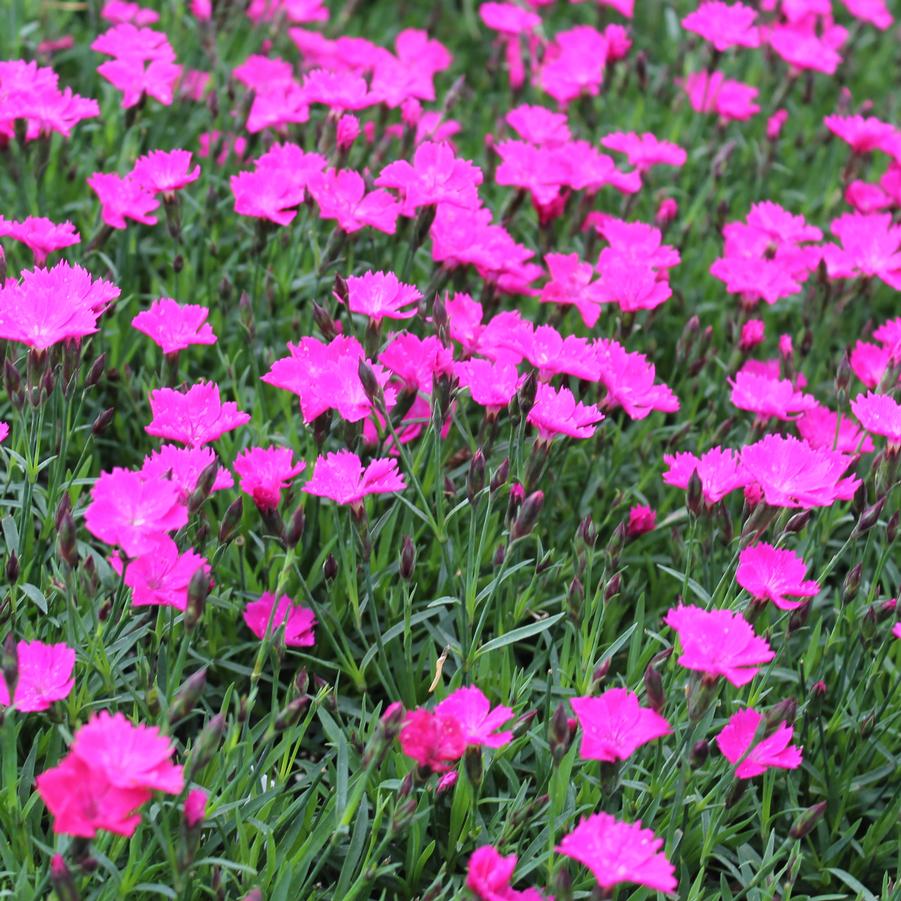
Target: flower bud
{"x": 12, "y": 567}
{"x": 891, "y": 528}
{"x": 330, "y": 568}
{"x": 500, "y": 475}
{"x": 560, "y": 735}
{"x": 387, "y": 730}
{"x": 526, "y": 393}
{"x": 9, "y": 664}
{"x": 62, "y": 880}
{"x": 370, "y": 383}
{"x": 797, "y": 522}
{"x": 653, "y": 688}
{"x": 869, "y": 625}
{"x": 95, "y": 373}
{"x": 851, "y": 583}
{"x": 195, "y": 807}
{"x": 407, "y": 559}
{"x": 290, "y": 714}
{"x": 613, "y": 587}
{"x": 11, "y": 378}
{"x": 187, "y": 696}
{"x": 699, "y": 752}
{"x": 528, "y": 515}
{"x": 472, "y": 764}
{"x": 475, "y": 480}
{"x": 694, "y": 498}
{"x": 253, "y": 895}
{"x": 799, "y": 617}
{"x": 446, "y": 783}
{"x": 843, "y": 377}
{"x": 231, "y": 520}
{"x": 600, "y": 673}
{"x": 574, "y": 597}
{"x": 203, "y": 488}
{"x": 205, "y": 746}
{"x": 65, "y": 536}
{"x": 101, "y": 423}
{"x": 295, "y": 528}
{"x": 198, "y": 591}
{"x": 807, "y": 820}
{"x": 587, "y": 532}
{"x": 783, "y": 712}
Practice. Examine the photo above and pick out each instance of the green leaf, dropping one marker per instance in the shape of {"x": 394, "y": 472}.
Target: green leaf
{"x": 519, "y": 634}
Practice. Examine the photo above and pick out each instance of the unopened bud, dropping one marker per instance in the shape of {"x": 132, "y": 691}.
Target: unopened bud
{"x": 205, "y": 746}
{"x": 65, "y": 537}
{"x": 9, "y": 664}
{"x": 253, "y": 895}
{"x": 600, "y": 673}
{"x": 230, "y": 520}
{"x": 526, "y": 394}
{"x": 62, "y": 880}
{"x": 891, "y": 528}
{"x": 341, "y": 290}
{"x": 472, "y": 763}
{"x": 295, "y": 528}
{"x": 370, "y": 383}
{"x": 198, "y": 591}
{"x": 204, "y": 486}
{"x": 587, "y": 532}
{"x": 797, "y": 522}
{"x": 560, "y": 733}
{"x": 843, "y": 376}
{"x": 807, "y": 820}
{"x": 291, "y": 713}
{"x": 851, "y": 583}
{"x": 783, "y": 712}
{"x": 699, "y": 752}
{"x": 870, "y": 516}
{"x": 95, "y": 373}
{"x": 653, "y": 688}
{"x": 869, "y": 624}
{"x": 325, "y": 322}
{"x": 387, "y": 730}
{"x": 475, "y": 480}
{"x": 500, "y": 475}
{"x": 694, "y": 498}
{"x": 407, "y": 559}
{"x": 330, "y": 568}
{"x": 101, "y": 423}
{"x": 187, "y": 696}
{"x": 613, "y": 587}
{"x": 12, "y": 567}
{"x": 528, "y": 515}
{"x": 574, "y": 597}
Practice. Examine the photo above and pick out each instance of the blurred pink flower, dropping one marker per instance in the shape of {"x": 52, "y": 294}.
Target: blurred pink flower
{"x": 161, "y": 576}
{"x": 714, "y": 93}
{"x": 539, "y": 125}
{"x": 630, "y": 381}
{"x": 417, "y": 361}
{"x": 736, "y": 739}
{"x": 194, "y": 417}
{"x": 491, "y": 385}
{"x": 121, "y": 199}
{"x": 874, "y": 12}
{"x": 775, "y": 124}
{"x": 45, "y": 676}
{"x": 556, "y": 412}
{"x": 299, "y": 621}
{"x": 870, "y": 247}
{"x": 342, "y": 196}
{"x": 340, "y": 476}
{"x": 752, "y": 333}
{"x": 614, "y": 725}
{"x": 119, "y": 11}
{"x": 571, "y": 283}
{"x": 718, "y": 643}
{"x": 869, "y": 362}
{"x": 347, "y": 131}
{"x": 195, "y": 807}
{"x": 863, "y": 134}
{"x": 165, "y": 171}
{"x": 879, "y": 414}
{"x": 174, "y": 326}
{"x": 143, "y": 63}
{"x": 645, "y": 150}
{"x": 641, "y": 519}
{"x": 820, "y": 427}
{"x": 477, "y": 720}
{"x": 488, "y": 877}
{"x": 432, "y": 740}
{"x": 769, "y": 573}
{"x": 573, "y": 64}
{"x": 381, "y": 295}
{"x": 265, "y": 472}
{"x": 265, "y": 194}
{"x": 719, "y": 470}
{"x": 768, "y": 398}
{"x": 40, "y": 235}
{"x": 617, "y": 852}
{"x": 724, "y": 25}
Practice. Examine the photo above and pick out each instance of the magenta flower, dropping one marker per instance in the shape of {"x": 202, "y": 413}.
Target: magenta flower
{"x": 539, "y": 125}
{"x": 641, "y": 519}
{"x": 45, "y": 676}
{"x": 417, "y": 361}
{"x": 264, "y": 194}
{"x": 165, "y": 171}
{"x": 617, "y": 852}
{"x": 719, "y": 643}
{"x": 714, "y": 93}
{"x": 874, "y": 12}
{"x": 573, "y": 64}
{"x": 436, "y": 175}
{"x": 491, "y": 385}
{"x": 477, "y": 720}
{"x": 879, "y": 414}
{"x": 174, "y": 326}
{"x": 896, "y": 630}
{"x": 121, "y": 199}
{"x": 184, "y": 467}
{"x": 737, "y": 741}
{"x": 724, "y": 25}
{"x": 791, "y": 473}
{"x": 870, "y": 362}
{"x": 752, "y": 334}
{"x": 337, "y": 90}
{"x": 342, "y": 196}
{"x": 432, "y": 740}
{"x": 194, "y": 417}
{"x": 803, "y": 48}
{"x": 556, "y": 412}
{"x": 775, "y": 124}
{"x": 821, "y": 427}
{"x": 326, "y": 377}
{"x": 488, "y": 874}
{"x": 552, "y": 354}
{"x": 195, "y": 807}
{"x": 769, "y": 573}
{"x": 380, "y": 295}
{"x": 870, "y": 247}
{"x": 646, "y": 150}
{"x": 863, "y": 134}
{"x": 630, "y": 381}
{"x": 40, "y": 235}
{"x": 615, "y": 725}
{"x": 133, "y": 511}
{"x": 4, "y": 431}
{"x": 119, "y": 11}
{"x": 340, "y": 476}
{"x": 143, "y": 63}
{"x": 719, "y": 470}
{"x": 571, "y": 283}
{"x": 161, "y": 576}
{"x": 769, "y": 398}
{"x": 265, "y": 472}
{"x": 299, "y": 622}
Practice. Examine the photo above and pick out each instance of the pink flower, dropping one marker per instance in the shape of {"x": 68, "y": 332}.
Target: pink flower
{"x": 184, "y": 466}
{"x": 615, "y": 725}
{"x": 4, "y": 431}
{"x": 870, "y": 246}
{"x": 121, "y": 199}
{"x": 867, "y": 198}
{"x": 896, "y": 630}
{"x": 719, "y": 643}
{"x": 775, "y": 124}
{"x": 477, "y": 720}
{"x": 571, "y": 283}
{"x": 432, "y": 740}
{"x": 347, "y": 131}
{"x": 791, "y": 473}
{"x": 40, "y": 235}
{"x": 45, "y": 676}
{"x": 508, "y": 19}
{"x": 265, "y": 472}
{"x": 129, "y": 756}
{"x": 736, "y": 741}
{"x": 293, "y": 10}
{"x": 803, "y": 48}
{"x": 380, "y": 295}
{"x": 326, "y": 377}
{"x": 299, "y": 622}
{"x": 161, "y": 576}
{"x": 714, "y": 93}
{"x": 174, "y": 326}
{"x": 863, "y": 134}
{"x": 491, "y": 385}
{"x": 889, "y": 335}
{"x": 340, "y": 476}
{"x": 724, "y": 25}
{"x": 165, "y": 171}
{"x": 874, "y": 12}
{"x": 195, "y": 807}
{"x": 752, "y": 333}
{"x": 133, "y": 511}
{"x": 556, "y": 412}
{"x": 719, "y": 470}
{"x": 342, "y": 196}
{"x": 488, "y": 877}
{"x": 769, "y": 573}
{"x": 869, "y": 362}
{"x": 265, "y": 194}
{"x": 641, "y": 519}
{"x": 768, "y": 398}
{"x": 337, "y": 90}
{"x": 417, "y": 361}
{"x": 539, "y": 126}
{"x": 617, "y": 852}
{"x": 574, "y": 63}
{"x": 194, "y": 417}
{"x": 821, "y": 427}
{"x": 552, "y": 354}
{"x": 629, "y": 380}
{"x": 879, "y": 414}
{"x": 119, "y": 11}
{"x": 645, "y": 150}
{"x": 143, "y": 63}
{"x": 52, "y": 305}
{"x": 436, "y": 175}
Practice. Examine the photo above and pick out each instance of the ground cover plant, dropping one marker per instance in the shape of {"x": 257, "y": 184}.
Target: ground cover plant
{"x": 451, "y": 449}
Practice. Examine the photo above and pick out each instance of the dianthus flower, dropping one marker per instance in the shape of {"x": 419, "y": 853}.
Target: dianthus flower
{"x": 432, "y": 740}
{"x": 719, "y": 643}
{"x": 724, "y": 25}
{"x": 573, "y": 64}
{"x": 556, "y": 412}
{"x": 571, "y": 283}
{"x": 143, "y": 63}
{"x": 45, "y": 676}
{"x": 119, "y": 11}
{"x": 174, "y": 326}
{"x": 265, "y": 472}
{"x": 889, "y": 336}
{"x": 299, "y": 622}
{"x": 719, "y": 470}
{"x": 184, "y": 466}
{"x": 791, "y": 473}
{"x": 714, "y": 93}
{"x": 769, "y": 573}
{"x": 122, "y": 198}
{"x": 805, "y": 47}
{"x": 768, "y": 398}
{"x": 491, "y": 385}
{"x": 342, "y": 196}
{"x": 869, "y": 362}
{"x": 508, "y": 18}
{"x": 132, "y": 510}
{"x": 340, "y": 476}
{"x": 736, "y": 741}
{"x": 874, "y": 12}
{"x": 293, "y": 10}
{"x": 614, "y": 725}
{"x": 161, "y": 576}
{"x": 417, "y": 361}
{"x": 165, "y": 171}
{"x": 821, "y": 427}
{"x": 645, "y": 150}
{"x": 489, "y": 874}
{"x": 479, "y": 722}
{"x": 194, "y": 417}
{"x": 326, "y": 377}
{"x": 436, "y": 175}
{"x": 381, "y": 295}
{"x": 618, "y": 852}
{"x": 641, "y": 519}
{"x": 629, "y": 380}
{"x": 879, "y": 414}
{"x": 870, "y": 247}
{"x": 752, "y": 334}
{"x": 553, "y": 354}
{"x": 863, "y": 134}
{"x": 539, "y": 125}
{"x": 40, "y": 235}
{"x": 265, "y": 194}
{"x": 337, "y": 90}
